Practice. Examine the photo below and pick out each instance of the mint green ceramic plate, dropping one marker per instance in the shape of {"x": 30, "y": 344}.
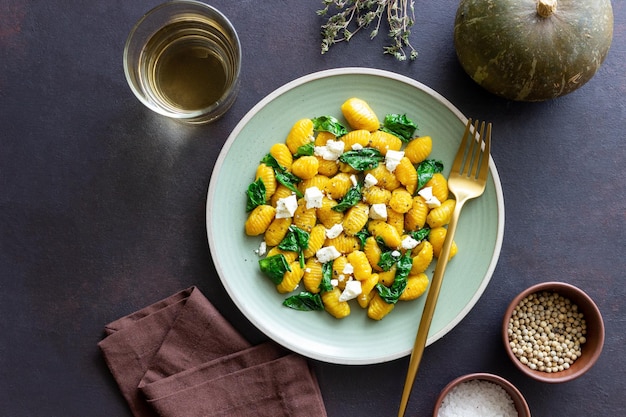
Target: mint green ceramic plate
{"x": 355, "y": 339}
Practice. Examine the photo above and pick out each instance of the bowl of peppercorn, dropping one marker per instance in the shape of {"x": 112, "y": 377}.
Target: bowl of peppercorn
{"x": 553, "y": 332}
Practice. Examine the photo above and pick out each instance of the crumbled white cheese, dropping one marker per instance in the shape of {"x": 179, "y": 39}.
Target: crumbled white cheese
{"x": 354, "y": 180}
{"x": 378, "y": 211}
{"x": 348, "y": 269}
{"x": 286, "y": 207}
{"x": 396, "y": 254}
{"x": 331, "y": 151}
{"x": 370, "y": 180}
{"x": 409, "y": 243}
{"x": 357, "y": 146}
{"x": 334, "y": 231}
{"x": 313, "y": 197}
{"x": 334, "y": 282}
{"x": 352, "y": 290}
{"x": 427, "y": 194}
{"x": 392, "y": 159}
{"x": 327, "y": 254}
{"x": 262, "y": 249}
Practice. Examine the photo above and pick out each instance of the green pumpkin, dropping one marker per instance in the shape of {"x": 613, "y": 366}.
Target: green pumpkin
{"x": 532, "y": 50}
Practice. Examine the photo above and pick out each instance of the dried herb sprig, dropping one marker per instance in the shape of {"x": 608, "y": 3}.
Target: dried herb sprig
{"x": 353, "y": 15}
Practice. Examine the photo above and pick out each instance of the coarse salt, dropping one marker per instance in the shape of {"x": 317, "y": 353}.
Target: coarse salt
{"x": 477, "y": 398}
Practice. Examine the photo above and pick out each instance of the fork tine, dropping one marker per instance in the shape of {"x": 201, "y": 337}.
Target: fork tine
{"x": 460, "y": 154}
{"x": 484, "y": 168}
{"x": 474, "y": 158}
{"x": 473, "y": 154}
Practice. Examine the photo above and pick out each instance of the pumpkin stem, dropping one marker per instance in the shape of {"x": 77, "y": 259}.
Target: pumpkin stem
{"x": 545, "y": 8}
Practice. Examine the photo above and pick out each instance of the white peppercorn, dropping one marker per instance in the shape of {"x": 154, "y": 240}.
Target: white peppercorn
{"x": 546, "y": 332}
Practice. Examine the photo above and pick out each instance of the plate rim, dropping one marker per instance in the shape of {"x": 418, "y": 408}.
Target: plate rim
{"x": 327, "y": 74}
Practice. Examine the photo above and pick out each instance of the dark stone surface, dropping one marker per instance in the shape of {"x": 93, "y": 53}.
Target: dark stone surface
{"x": 102, "y": 203}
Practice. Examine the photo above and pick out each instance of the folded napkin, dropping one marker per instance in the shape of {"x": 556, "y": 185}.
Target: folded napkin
{"x": 180, "y": 358}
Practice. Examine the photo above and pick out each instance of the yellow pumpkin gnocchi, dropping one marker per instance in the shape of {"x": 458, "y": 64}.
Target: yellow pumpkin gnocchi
{"x": 378, "y": 308}
{"x": 360, "y": 115}
{"x": 259, "y": 220}
{"x": 300, "y": 134}
{"x": 415, "y": 286}
{"x": 266, "y": 174}
{"x": 336, "y": 308}
{"x": 355, "y": 219}
{"x": 305, "y": 167}
{"x": 418, "y": 149}
{"x": 384, "y": 142}
{"x": 344, "y": 218}
{"x": 312, "y": 276}
{"x": 282, "y": 154}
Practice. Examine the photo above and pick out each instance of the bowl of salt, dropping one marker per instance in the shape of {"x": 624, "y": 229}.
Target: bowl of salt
{"x": 481, "y": 395}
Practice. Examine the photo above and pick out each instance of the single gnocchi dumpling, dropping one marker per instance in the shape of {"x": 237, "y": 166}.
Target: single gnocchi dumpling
{"x": 259, "y": 220}
{"x": 360, "y": 115}
{"x": 300, "y": 134}
{"x": 334, "y": 307}
{"x": 378, "y": 308}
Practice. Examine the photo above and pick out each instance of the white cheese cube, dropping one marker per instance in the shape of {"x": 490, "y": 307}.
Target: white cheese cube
{"x": 378, "y": 211}
{"x": 370, "y": 180}
{"x": 327, "y": 254}
{"x": 392, "y": 159}
{"x": 334, "y": 231}
{"x": 427, "y": 195}
{"x": 409, "y": 243}
{"x": 352, "y": 290}
{"x": 331, "y": 151}
{"x": 286, "y": 207}
{"x": 313, "y": 197}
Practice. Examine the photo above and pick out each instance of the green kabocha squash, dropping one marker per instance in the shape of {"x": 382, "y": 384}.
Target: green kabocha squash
{"x": 532, "y": 50}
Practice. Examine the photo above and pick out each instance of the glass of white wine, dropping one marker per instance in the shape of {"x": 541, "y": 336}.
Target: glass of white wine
{"x": 182, "y": 60}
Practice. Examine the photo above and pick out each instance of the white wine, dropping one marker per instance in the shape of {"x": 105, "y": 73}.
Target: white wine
{"x": 184, "y": 69}
{"x": 186, "y": 63}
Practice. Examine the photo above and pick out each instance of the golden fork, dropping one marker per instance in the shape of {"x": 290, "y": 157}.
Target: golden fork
{"x": 467, "y": 180}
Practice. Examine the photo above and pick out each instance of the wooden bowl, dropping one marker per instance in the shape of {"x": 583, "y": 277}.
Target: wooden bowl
{"x": 591, "y": 349}
{"x": 518, "y": 399}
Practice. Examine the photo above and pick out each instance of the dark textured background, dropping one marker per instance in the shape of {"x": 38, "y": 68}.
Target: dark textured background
{"x": 102, "y": 203}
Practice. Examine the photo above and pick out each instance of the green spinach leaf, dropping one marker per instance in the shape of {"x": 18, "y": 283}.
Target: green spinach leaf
{"x": 256, "y": 194}
{"x": 399, "y": 125}
{"x": 352, "y": 197}
{"x": 391, "y": 294}
{"x": 296, "y": 240}
{"x": 327, "y": 275}
{"x": 421, "y": 234}
{"x": 362, "y": 159}
{"x": 425, "y": 171}
{"x": 305, "y": 150}
{"x": 274, "y": 267}
{"x": 388, "y": 259}
{"x": 305, "y": 301}
{"x": 329, "y": 124}
{"x": 283, "y": 176}
{"x": 362, "y": 235}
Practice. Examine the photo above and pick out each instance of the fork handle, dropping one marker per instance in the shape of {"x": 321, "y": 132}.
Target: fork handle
{"x": 429, "y": 308}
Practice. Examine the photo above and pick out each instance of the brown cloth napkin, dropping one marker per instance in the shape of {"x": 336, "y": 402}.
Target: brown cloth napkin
{"x": 180, "y": 358}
